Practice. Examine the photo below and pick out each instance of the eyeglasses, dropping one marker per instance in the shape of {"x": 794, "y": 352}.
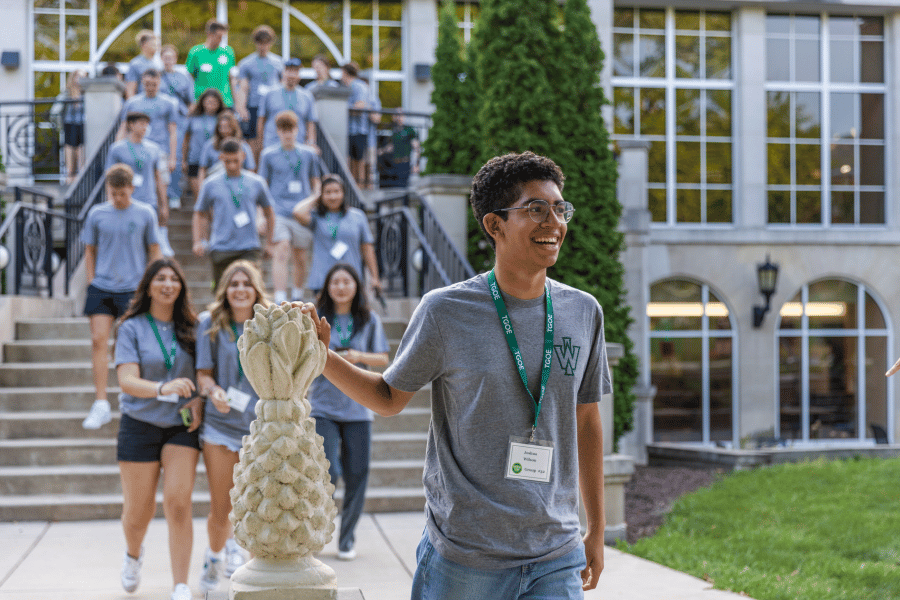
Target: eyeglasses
{"x": 539, "y": 210}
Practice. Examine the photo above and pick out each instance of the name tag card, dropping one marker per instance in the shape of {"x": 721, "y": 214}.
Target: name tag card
{"x": 339, "y": 250}
{"x": 529, "y": 461}
{"x": 294, "y": 187}
{"x": 173, "y": 397}
{"x": 241, "y": 219}
{"x": 237, "y": 399}
{"x": 137, "y": 180}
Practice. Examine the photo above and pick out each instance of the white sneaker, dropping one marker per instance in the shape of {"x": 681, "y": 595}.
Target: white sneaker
{"x": 131, "y": 571}
{"x": 347, "y": 554}
{"x": 174, "y": 202}
{"x": 182, "y": 592}
{"x": 100, "y": 415}
{"x": 234, "y": 557}
{"x": 211, "y": 572}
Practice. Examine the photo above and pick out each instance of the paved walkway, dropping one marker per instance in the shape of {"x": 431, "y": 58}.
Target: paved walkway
{"x": 81, "y": 561}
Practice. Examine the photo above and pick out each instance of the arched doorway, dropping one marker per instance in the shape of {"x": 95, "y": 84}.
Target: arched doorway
{"x": 832, "y": 342}
{"x": 692, "y": 363}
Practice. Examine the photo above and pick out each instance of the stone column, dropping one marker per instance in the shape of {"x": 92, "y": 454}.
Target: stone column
{"x": 448, "y": 197}
{"x": 102, "y": 105}
{"x": 419, "y": 43}
{"x": 632, "y": 191}
{"x": 331, "y": 106}
{"x": 750, "y": 119}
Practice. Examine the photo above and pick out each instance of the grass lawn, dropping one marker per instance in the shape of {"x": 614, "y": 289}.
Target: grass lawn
{"x": 809, "y": 531}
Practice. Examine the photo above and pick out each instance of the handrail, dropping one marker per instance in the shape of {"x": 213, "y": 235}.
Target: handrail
{"x": 335, "y": 163}
{"x": 31, "y": 140}
{"x": 410, "y": 219}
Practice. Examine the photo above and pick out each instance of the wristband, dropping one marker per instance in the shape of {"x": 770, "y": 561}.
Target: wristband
{"x": 159, "y": 387}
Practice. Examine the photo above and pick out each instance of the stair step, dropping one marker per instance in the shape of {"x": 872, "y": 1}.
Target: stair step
{"x": 47, "y": 350}
{"x": 69, "y": 328}
{"x": 49, "y": 374}
{"x": 409, "y": 420}
{"x": 23, "y": 399}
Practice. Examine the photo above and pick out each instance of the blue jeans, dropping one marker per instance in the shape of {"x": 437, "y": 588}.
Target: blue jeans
{"x": 437, "y": 578}
{"x": 347, "y": 448}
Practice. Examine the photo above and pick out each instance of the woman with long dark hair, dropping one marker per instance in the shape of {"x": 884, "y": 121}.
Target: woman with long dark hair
{"x": 227, "y": 126}
{"x": 356, "y": 334}
{"x": 340, "y": 234}
{"x": 201, "y": 128}
{"x": 154, "y": 354}
{"x": 229, "y": 409}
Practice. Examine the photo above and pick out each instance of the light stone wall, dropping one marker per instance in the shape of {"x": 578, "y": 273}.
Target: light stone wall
{"x": 17, "y": 36}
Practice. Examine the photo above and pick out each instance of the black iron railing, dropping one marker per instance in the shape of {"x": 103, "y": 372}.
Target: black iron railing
{"x": 393, "y": 164}
{"x": 31, "y": 141}
{"x": 335, "y": 163}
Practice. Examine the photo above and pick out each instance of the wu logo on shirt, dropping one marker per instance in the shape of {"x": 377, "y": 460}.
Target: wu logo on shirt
{"x": 132, "y": 226}
{"x": 567, "y": 355}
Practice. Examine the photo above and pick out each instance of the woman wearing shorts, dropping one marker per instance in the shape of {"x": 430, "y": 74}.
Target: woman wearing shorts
{"x": 229, "y": 409}
{"x": 356, "y": 334}
{"x": 200, "y": 129}
{"x": 158, "y": 432}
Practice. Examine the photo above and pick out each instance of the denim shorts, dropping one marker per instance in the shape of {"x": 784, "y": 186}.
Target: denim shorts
{"x": 211, "y": 435}
{"x": 101, "y": 302}
{"x": 143, "y": 442}
{"x": 437, "y": 578}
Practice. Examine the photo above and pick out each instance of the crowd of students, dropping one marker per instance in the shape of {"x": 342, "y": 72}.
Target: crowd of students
{"x": 183, "y": 388}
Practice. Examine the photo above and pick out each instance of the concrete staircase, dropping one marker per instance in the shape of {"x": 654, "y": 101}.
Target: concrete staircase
{"x": 52, "y": 469}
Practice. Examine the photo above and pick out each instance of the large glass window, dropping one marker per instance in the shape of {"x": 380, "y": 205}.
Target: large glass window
{"x": 84, "y": 34}
{"x": 672, "y": 80}
{"x": 692, "y": 363}
{"x": 825, "y": 104}
{"x": 832, "y": 353}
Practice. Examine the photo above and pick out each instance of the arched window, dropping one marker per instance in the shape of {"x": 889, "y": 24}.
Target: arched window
{"x": 692, "y": 363}
{"x": 832, "y": 355}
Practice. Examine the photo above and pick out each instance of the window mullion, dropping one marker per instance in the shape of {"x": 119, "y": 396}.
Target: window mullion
{"x": 804, "y": 365}
{"x": 704, "y": 362}
{"x": 671, "y": 174}
{"x": 861, "y": 362}
{"x": 824, "y": 143}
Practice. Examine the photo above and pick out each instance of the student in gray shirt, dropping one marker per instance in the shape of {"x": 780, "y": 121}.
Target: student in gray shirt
{"x": 160, "y": 416}
{"x": 201, "y": 127}
{"x": 517, "y": 363}
{"x": 227, "y": 126}
{"x": 289, "y": 96}
{"x": 120, "y": 237}
{"x": 228, "y": 200}
{"x": 229, "y": 409}
{"x": 293, "y": 172}
{"x": 148, "y": 44}
{"x": 163, "y": 112}
{"x": 345, "y": 426}
{"x": 180, "y": 87}
{"x": 258, "y": 73}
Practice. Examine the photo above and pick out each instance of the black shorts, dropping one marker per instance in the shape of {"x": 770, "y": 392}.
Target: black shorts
{"x": 74, "y": 134}
{"x": 142, "y": 442}
{"x": 358, "y": 144}
{"x": 248, "y": 127}
{"x": 193, "y": 170}
{"x": 101, "y": 302}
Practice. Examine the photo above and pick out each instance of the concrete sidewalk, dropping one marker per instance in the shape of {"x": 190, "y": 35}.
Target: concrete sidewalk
{"x": 81, "y": 561}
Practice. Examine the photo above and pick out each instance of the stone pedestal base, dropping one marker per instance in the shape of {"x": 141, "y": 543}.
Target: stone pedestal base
{"x": 342, "y": 594}
{"x": 303, "y": 579}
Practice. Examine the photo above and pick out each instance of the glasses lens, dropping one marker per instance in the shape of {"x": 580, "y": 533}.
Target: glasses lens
{"x": 564, "y": 211}
{"x": 538, "y": 210}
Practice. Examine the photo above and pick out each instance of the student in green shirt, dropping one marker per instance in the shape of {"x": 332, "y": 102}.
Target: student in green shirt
{"x": 210, "y": 64}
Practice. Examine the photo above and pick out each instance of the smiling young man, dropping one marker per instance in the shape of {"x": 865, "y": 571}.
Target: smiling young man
{"x": 517, "y": 363}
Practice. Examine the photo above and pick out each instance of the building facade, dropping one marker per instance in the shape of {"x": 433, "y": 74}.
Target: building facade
{"x": 769, "y": 126}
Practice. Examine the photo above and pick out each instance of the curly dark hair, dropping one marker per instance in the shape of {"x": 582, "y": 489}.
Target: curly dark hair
{"x": 499, "y": 182}
{"x": 183, "y": 314}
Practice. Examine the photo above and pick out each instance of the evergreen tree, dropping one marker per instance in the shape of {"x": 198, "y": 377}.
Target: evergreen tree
{"x": 453, "y": 144}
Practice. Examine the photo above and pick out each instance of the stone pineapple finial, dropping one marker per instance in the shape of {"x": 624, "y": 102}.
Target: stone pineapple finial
{"x": 282, "y": 506}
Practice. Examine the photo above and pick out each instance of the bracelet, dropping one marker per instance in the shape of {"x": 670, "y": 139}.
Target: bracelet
{"x": 159, "y": 387}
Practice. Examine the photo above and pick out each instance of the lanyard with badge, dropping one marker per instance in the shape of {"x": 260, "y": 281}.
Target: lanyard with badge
{"x": 241, "y": 218}
{"x": 138, "y": 178}
{"x": 168, "y": 357}
{"x": 338, "y": 247}
{"x": 528, "y": 459}
{"x": 294, "y": 185}
{"x": 236, "y": 398}
{"x": 284, "y": 97}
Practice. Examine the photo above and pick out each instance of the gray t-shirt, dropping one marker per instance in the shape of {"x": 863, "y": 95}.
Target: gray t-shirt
{"x": 475, "y": 515}
{"x": 329, "y": 402}
{"x": 180, "y": 86}
{"x": 201, "y": 128}
{"x": 122, "y": 238}
{"x": 329, "y": 232}
{"x": 162, "y": 109}
{"x": 137, "y": 66}
{"x": 298, "y": 100}
{"x": 359, "y": 123}
{"x": 229, "y": 198}
{"x": 280, "y": 167}
{"x": 313, "y": 85}
{"x": 136, "y": 343}
{"x": 221, "y": 355}
{"x": 209, "y": 156}
{"x": 262, "y": 74}
{"x": 144, "y": 159}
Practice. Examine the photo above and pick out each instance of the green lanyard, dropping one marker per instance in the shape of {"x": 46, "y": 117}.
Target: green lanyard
{"x": 284, "y": 97}
{"x": 137, "y": 161}
{"x": 236, "y": 336}
{"x": 333, "y": 225}
{"x": 169, "y": 358}
{"x": 236, "y": 198}
{"x": 287, "y": 159}
{"x": 344, "y": 341}
{"x": 514, "y": 345}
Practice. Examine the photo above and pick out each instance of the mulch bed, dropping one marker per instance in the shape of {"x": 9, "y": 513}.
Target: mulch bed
{"x": 652, "y": 491}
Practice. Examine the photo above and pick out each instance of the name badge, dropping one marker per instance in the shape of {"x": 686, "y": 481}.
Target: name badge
{"x": 295, "y": 187}
{"x": 223, "y": 59}
{"x": 241, "y": 219}
{"x": 339, "y": 250}
{"x": 137, "y": 180}
{"x": 149, "y": 130}
{"x": 529, "y": 461}
{"x": 173, "y": 397}
{"x": 237, "y": 399}
{"x": 206, "y": 68}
